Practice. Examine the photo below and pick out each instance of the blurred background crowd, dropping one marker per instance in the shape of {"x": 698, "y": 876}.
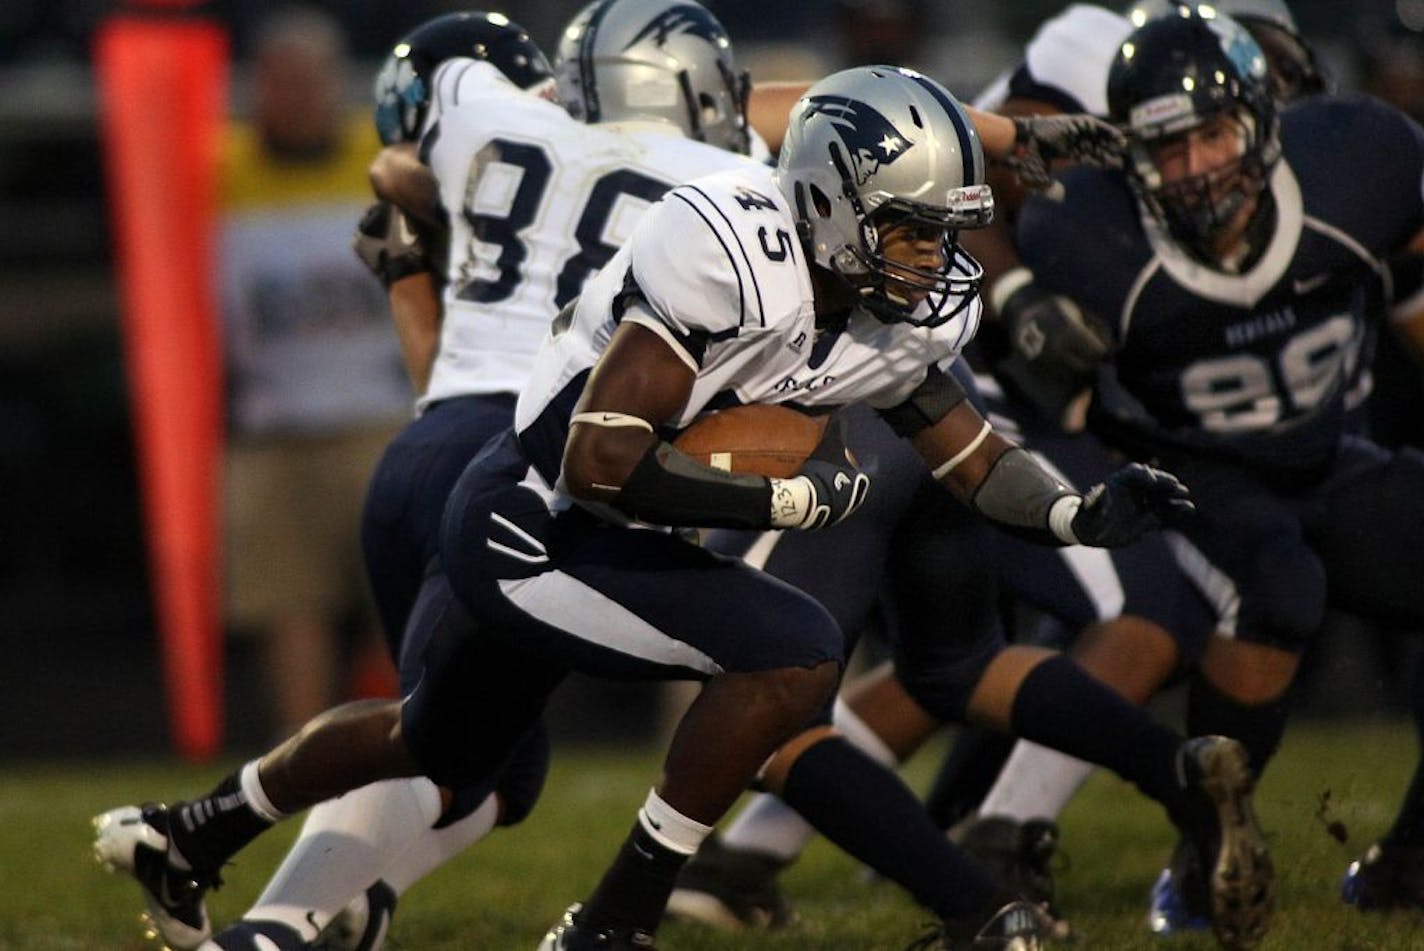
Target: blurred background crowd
{"x": 81, "y": 666}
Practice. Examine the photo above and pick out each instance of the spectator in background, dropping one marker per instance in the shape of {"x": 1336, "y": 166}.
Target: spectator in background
{"x": 315, "y": 380}
{"x": 916, "y": 33}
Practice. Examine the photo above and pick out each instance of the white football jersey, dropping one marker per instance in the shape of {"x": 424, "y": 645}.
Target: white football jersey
{"x": 1066, "y": 62}
{"x": 727, "y": 285}
{"x": 537, "y": 202}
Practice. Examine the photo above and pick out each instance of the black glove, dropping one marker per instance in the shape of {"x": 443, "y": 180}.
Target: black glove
{"x": 1054, "y": 347}
{"x": 828, "y": 488}
{"x": 1133, "y": 500}
{"x": 1078, "y": 137}
{"x": 388, "y": 245}
{"x": 1051, "y": 331}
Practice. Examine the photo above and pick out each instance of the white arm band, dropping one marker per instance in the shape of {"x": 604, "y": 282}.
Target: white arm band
{"x": 948, "y": 466}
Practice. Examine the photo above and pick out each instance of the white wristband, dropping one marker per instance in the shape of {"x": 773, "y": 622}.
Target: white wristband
{"x": 1005, "y": 287}
{"x": 791, "y": 502}
{"x": 1060, "y": 518}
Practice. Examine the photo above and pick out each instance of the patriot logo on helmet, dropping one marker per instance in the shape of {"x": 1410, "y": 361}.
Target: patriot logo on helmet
{"x": 871, "y": 138}
{"x": 684, "y": 18}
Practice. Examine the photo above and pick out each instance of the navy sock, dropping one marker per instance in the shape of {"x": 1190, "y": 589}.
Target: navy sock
{"x": 864, "y": 808}
{"x": 1408, "y": 828}
{"x": 1061, "y": 706}
{"x": 967, "y": 775}
{"x": 635, "y": 889}
{"x": 209, "y": 831}
{"x": 1259, "y": 727}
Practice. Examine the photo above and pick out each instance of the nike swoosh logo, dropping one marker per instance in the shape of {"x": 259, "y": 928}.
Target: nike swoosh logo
{"x": 1306, "y": 285}
{"x": 165, "y": 894}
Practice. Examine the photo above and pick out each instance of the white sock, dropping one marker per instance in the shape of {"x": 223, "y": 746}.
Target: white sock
{"x": 345, "y": 845}
{"x": 849, "y": 724}
{"x": 1035, "y": 783}
{"x": 432, "y": 848}
{"x": 256, "y": 796}
{"x": 670, "y": 828}
{"x": 771, "y": 827}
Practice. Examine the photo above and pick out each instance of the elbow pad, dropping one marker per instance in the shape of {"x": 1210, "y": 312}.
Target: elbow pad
{"x": 1026, "y": 500}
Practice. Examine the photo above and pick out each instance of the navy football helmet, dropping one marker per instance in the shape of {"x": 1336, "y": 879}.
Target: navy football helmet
{"x": 1175, "y": 74}
{"x": 402, "y": 89}
{"x": 1294, "y": 67}
{"x": 881, "y": 146}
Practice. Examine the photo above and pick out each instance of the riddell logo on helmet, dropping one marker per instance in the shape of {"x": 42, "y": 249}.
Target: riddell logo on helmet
{"x": 1161, "y": 110}
{"x": 872, "y": 139}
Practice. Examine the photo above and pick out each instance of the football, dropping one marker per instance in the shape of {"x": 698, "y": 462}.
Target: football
{"x": 759, "y": 438}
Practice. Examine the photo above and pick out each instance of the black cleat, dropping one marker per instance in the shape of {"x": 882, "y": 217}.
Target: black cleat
{"x": 1020, "y": 858}
{"x": 570, "y": 935}
{"x": 134, "y": 840}
{"x": 1235, "y": 874}
{"x": 1385, "y": 877}
{"x": 730, "y": 889}
{"x": 1016, "y": 926}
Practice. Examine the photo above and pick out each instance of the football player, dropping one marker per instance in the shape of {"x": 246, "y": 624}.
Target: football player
{"x": 1045, "y": 348}
{"x": 1239, "y": 281}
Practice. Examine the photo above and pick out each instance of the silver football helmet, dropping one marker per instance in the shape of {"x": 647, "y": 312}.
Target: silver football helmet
{"x": 663, "y": 60}
{"x": 881, "y": 146}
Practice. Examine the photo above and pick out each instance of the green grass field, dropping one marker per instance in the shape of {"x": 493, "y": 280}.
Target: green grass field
{"x": 502, "y": 894}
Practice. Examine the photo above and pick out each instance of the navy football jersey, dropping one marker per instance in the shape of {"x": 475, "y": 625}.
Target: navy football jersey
{"x": 1255, "y": 366}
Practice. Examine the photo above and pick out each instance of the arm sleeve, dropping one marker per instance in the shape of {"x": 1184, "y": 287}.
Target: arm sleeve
{"x": 930, "y": 402}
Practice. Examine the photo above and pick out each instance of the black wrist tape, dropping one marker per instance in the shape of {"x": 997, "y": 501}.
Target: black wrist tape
{"x": 668, "y": 487}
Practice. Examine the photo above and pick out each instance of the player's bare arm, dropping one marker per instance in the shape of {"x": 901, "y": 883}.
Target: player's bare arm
{"x": 400, "y": 177}
{"x": 637, "y": 385}
{"x": 386, "y": 243}
{"x": 416, "y": 313}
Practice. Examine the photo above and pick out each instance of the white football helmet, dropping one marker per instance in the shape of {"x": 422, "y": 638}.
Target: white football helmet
{"x": 883, "y": 145}
{"x": 662, "y": 60}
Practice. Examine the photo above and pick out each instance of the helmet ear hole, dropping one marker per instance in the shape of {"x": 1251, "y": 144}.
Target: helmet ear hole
{"x": 707, "y": 109}
{"x": 820, "y": 202}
